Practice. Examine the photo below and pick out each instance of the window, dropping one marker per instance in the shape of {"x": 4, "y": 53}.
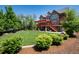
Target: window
{"x": 54, "y": 17}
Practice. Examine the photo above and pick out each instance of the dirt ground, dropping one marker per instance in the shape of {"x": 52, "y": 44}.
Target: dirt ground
{"x": 70, "y": 46}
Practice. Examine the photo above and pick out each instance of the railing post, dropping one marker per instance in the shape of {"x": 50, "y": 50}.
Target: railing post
{"x": 46, "y": 28}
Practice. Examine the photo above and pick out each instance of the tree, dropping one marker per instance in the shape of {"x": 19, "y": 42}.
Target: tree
{"x": 1, "y": 20}
{"x": 28, "y": 22}
{"x": 31, "y": 25}
{"x": 11, "y": 20}
{"x": 71, "y": 22}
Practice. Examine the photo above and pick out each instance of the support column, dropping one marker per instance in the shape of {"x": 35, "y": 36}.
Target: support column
{"x": 45, "y": 28}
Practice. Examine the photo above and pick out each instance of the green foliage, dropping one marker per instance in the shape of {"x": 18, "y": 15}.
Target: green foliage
{"x": 43, "y": 41}
{"x": 28, "y": 36}
{"x": 70, "y": 14}
{"x": 30, "y": 23}
{"x": 11, "y": 45}
{"x": 71, "y": 23}
{"x": 65, "y": 36}
{"x": 57, "y": 39}
{"x": 1, "y": 20}
{"x": 9, "y": 20}
{"x": 70, "y": 32}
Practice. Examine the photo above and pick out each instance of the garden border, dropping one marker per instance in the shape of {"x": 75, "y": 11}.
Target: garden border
{"x": 28, "y": 46}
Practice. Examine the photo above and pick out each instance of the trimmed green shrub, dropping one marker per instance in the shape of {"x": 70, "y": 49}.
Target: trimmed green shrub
{"x": 11, "y": 45}
{"x": 43, "y": 41}
{"x": 57, "y": 39}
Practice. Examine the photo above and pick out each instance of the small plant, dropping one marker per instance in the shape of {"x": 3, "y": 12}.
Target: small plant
{"x": 65, "y": 36}
{"x": 70, "y": 33}
{"x": 11, "y": 45}
{"x": 43, "y": 41}
{"x": 57, "y": 39}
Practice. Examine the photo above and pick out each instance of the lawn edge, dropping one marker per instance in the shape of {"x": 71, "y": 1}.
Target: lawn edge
{"x": 28, "y": 46}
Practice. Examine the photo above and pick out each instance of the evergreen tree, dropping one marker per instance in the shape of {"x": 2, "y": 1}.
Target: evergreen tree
{"x": 1, "y": 20}
{"x": 11, "y": 19}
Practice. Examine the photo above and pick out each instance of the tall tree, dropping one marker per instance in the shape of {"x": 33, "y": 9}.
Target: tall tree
{"x": 1, "y": 20}
{"x": 11, "y": 19}
{"x": 30, "y": 23}
{"x": 71, "y": 22}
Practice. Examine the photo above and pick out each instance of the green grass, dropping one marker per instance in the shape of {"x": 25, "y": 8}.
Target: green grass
{"x": 28, "y": 36}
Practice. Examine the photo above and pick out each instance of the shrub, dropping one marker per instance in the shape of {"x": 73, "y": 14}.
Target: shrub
{"x": 57, "y": 39}
{"x": 70, "y": 33}
{"x": 43, "y": 41}
{"x": 65, "y": 36}
{"x": 11, "y": 45}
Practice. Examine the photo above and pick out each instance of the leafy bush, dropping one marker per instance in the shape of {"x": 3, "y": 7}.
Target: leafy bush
{"x": 65, "y": 36}
{"x": 71, "y": 22}
{"x": 70, "y": 32}
{"x": 11, "y": 45}
{"x": 43, "y": 41}
{"x": 57, "y": 39}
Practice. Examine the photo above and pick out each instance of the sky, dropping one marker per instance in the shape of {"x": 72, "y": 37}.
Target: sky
{"x": 38, "y": 9}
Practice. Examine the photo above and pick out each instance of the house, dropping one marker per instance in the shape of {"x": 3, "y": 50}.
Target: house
{"x": 51, "y": 21}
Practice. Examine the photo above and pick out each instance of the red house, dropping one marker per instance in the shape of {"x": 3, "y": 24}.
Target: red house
{"x": 51, "y": 22}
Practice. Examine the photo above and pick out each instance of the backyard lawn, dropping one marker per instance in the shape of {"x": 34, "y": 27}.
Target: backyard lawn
{"x": 28, "y": 36}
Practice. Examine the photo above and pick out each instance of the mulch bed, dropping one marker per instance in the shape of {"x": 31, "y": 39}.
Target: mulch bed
{"x": 70, "y": 46}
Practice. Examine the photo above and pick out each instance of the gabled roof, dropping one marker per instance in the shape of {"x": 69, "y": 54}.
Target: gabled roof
{"x": 58, "y": 12}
